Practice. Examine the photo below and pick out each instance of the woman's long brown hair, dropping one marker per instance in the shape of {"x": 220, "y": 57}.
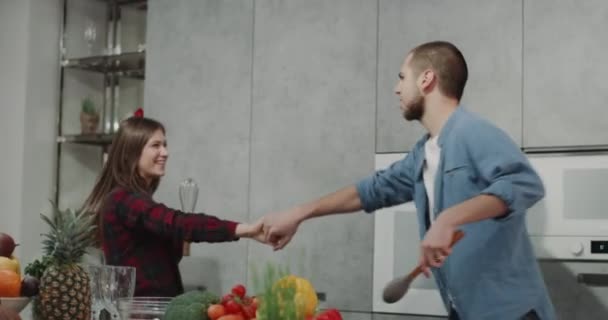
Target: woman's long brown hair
{"x": 121, "y": 169}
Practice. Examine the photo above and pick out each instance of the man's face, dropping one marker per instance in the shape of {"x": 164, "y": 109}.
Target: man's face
{"x": 410, "y": 97}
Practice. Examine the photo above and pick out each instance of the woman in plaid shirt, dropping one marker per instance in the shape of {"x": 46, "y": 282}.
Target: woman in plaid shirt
{"x": 137, "y": 231}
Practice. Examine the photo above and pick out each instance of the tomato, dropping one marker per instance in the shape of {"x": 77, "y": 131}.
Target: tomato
{"x": 248, "y": 311}
{"x": 226, "y": 298}
{"x": 231, "y": 317}
{"x": 239, "y": 290}
{"x": 255, "y": 302}
{"x": 215, "y": 311}
{"x": 232, "y": 307}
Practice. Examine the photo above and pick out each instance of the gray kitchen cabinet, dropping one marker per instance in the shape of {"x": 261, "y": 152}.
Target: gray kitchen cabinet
{"x": 312, "y": 133}
{"x": 490, "y": 38}
{"x": 199, "y": 86}
{"x": 565, "y": 92}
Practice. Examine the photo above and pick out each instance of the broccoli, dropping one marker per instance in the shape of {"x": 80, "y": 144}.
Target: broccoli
{"x": 191, "y": 306}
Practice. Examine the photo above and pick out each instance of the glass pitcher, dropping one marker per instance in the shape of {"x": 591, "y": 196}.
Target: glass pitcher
{"x": 108, "y": 285}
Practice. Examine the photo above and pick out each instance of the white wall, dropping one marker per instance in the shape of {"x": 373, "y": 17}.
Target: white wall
{"x": 39, "y": 130}
{"x": 14, "y": 24}
{"x": 29, "y": 93}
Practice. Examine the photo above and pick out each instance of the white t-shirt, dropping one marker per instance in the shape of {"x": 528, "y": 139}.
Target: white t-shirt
{"x": 431, "y": 153}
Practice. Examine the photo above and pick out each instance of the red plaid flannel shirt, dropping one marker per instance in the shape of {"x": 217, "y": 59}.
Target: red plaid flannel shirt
{"x": 139, "y": 232}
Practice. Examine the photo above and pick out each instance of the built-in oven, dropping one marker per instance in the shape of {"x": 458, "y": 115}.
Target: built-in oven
{"x": 571, "y": 222}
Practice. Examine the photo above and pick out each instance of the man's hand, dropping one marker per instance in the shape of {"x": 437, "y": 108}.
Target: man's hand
{"x": 280, "y": 227}
{"x": 436, "y": 243}
{"x": 435, "y": 246}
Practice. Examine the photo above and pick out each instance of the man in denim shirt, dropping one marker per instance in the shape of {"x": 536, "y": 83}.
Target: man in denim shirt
{"x": 464, "y": 174}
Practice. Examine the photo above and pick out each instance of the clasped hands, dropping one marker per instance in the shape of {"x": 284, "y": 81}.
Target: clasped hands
{"x": 277, "y": 230}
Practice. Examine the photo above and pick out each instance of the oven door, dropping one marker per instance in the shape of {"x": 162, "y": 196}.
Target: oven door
{"x": 396, "y": 252}
{"x": 573, "y": 216}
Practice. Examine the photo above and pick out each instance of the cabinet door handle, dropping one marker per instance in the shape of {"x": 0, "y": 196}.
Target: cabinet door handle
{"x": 593, "y": 279}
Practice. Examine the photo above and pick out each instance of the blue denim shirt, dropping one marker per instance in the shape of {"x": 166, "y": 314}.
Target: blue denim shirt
{"x": 492, "y": 272}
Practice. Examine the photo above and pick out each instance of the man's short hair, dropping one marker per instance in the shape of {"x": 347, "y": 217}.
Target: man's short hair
{"x": 446, "y": 61}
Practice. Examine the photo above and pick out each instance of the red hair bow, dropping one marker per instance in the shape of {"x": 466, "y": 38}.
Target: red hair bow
{"x": 139, "y": 113}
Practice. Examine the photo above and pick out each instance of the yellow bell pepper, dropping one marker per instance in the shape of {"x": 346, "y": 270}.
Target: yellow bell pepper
{"x": 305, "y": 294}
{"x": 11, "y": 263}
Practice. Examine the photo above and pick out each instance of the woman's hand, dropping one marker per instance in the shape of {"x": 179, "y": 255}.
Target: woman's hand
{"x": 254, "y": 231}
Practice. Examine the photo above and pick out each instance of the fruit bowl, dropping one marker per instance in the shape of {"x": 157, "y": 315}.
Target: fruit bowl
{"x": 15, "y": 304}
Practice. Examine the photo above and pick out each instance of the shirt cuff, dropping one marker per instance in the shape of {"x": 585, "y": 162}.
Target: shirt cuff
{"x": 504, "y": 191}
{"x": 363, "y": 189}
{"x": 231, "y": 225}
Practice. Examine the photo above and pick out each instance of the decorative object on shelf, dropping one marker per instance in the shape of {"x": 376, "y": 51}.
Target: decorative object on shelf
{"x": 188, "y": 194}
{"x": 90, "y": 34}
{"x": 89, "y": 117}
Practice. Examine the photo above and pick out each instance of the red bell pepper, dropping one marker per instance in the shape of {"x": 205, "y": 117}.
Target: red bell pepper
{"x": 329, "y": 314}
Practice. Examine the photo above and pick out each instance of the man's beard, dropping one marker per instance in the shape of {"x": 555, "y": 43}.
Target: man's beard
{"x": 415, "y": 109}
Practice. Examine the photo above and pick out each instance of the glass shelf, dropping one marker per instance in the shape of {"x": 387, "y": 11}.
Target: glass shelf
{"x": 130, "y": 64}
{"x": 103, "y": 58}
{"x": 139, "y": 4}
{"x": 100, "y": 139}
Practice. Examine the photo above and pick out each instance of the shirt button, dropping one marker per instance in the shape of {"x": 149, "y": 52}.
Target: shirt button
{"x": 452, "y": 301}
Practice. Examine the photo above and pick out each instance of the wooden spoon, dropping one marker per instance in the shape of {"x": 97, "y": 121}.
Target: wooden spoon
{"x": 397, "y": 288}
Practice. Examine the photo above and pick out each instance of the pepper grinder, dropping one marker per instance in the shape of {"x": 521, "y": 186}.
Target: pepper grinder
{"x": 188, "y": 194}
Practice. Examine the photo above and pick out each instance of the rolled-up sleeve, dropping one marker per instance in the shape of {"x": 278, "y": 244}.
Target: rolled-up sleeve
{"x": 388, "y": 187}
{"x": 506, "y": 169}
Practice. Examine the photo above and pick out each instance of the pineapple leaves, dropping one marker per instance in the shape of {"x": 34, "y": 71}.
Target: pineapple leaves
{"x": 70, "y": 234}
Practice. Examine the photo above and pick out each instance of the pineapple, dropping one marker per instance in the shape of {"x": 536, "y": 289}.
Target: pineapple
{"x": 65, "y": 292}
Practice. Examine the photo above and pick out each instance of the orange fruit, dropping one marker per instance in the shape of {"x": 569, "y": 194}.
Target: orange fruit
{"x": 10, "y": 284}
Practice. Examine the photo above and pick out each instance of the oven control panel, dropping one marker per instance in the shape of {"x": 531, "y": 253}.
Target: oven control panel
{"x": 569, "y": 248}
